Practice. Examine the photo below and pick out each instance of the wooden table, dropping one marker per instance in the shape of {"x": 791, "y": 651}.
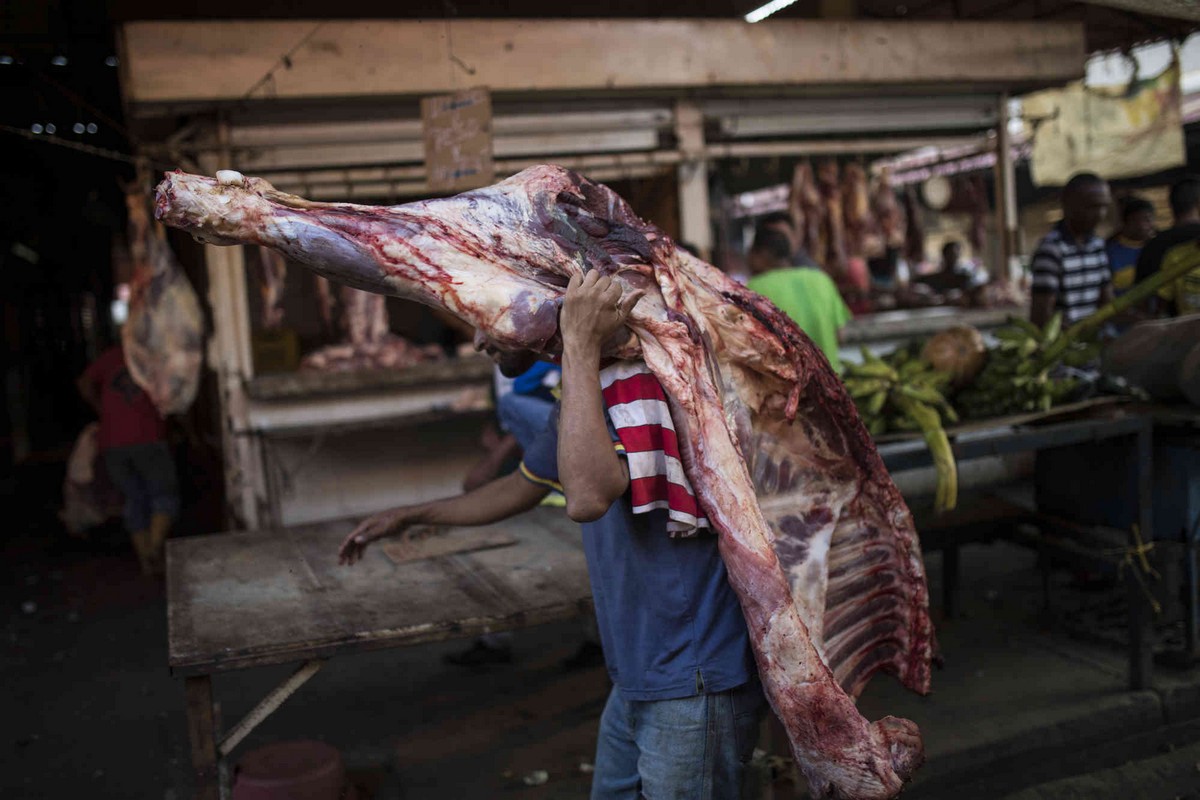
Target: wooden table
{"x": 238, "y": 600}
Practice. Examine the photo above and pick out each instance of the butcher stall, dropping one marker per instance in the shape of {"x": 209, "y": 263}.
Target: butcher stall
{"x": 336, "y": 405}
{"x": 301, "y": 449}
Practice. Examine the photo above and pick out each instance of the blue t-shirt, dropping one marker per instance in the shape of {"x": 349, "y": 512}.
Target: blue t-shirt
{"x": 538, "y": 381}
{"x": 669, "y": 621}
{"x": 1122, "y": 261}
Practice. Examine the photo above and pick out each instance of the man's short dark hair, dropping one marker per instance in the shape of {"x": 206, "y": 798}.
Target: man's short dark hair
{"x": 1135, "y": 204}
{"x": 951, "y": 243}
{"x": 1185, "y": 195}
{"x": 775, "y": 218}
{"x": 773, "y": 242}
{"x": 1080, "y": 181}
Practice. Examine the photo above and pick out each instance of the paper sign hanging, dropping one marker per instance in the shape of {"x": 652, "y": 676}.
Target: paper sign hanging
{"x": 458, "y": 140}
{"x": 1123, "y": 134}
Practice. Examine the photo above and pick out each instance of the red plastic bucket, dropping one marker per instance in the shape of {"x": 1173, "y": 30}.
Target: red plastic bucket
{"x": 298, "y": 770}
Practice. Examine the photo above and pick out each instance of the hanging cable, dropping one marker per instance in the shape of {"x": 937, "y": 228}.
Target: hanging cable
{"x": 100, "y": 152}
{"x": 284, "y": 61}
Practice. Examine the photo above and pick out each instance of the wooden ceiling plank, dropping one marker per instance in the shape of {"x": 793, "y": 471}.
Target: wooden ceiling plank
{"x": 219, "y": 62}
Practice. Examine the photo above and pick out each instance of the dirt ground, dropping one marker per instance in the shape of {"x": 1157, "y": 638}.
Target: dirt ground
{"x": 91, "y": 711}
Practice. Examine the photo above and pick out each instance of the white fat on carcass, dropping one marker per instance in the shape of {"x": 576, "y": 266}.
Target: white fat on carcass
{"x": 230, "y": 177}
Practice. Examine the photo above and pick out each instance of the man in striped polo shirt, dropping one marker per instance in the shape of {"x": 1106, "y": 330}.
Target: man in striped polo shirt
{"x": 682, "y": 718}
{"x": 1070, "y": 266}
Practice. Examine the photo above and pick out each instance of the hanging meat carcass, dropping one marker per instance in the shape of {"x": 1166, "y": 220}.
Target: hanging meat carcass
{"x": 818, "y": 543}
{"x": 888, "y": 213}
{"x": 804, "y": 206}
{"x": 163, "y": 335}
{"x": 856, "y": 209}
{"x": 273, "y": 273}
{"x": 324, "y": 301}
{"x": 914, "y": 232}
{"x": 367, "y": 342}
{"x": 976, "y": 200}
{"x": 834, "y": 254}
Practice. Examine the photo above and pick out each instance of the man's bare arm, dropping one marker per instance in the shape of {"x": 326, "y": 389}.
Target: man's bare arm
{"x": 502, "y": 498}
{"x": 1041, "y": 308}
{"x": 592, "y": 474}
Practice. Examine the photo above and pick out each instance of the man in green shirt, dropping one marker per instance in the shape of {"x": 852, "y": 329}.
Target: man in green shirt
{"x": 806, "y": 294}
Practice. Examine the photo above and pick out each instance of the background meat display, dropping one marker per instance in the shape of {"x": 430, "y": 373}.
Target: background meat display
{"x": 367, "y": 343}
{"x": 163, "y": 336}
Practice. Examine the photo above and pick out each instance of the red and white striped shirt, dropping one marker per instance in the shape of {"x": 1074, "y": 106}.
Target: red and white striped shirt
{"x": 637, "y": 407}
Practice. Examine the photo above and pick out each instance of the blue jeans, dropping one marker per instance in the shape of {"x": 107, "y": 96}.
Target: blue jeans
{"x": 692, "y": 748}
{"x": 145, "y": 474}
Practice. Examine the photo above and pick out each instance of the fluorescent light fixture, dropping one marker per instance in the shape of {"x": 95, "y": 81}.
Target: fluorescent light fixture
{"x": 59, "y": 61}
{"x": 764, "y": 11}
{"x": 6, "y": 60}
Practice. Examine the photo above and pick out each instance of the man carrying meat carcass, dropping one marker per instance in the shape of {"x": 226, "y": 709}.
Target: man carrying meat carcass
{"x": 682, "y": 718}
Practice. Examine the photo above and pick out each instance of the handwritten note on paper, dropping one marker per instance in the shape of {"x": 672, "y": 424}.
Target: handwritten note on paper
{"x": 458, "y": 140}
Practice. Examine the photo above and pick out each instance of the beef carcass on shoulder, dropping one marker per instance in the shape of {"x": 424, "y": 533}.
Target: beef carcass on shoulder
{"x": 817, "y": 541}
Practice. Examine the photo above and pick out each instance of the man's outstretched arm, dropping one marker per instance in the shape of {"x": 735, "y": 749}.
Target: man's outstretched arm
{"x": 500, "y": 499}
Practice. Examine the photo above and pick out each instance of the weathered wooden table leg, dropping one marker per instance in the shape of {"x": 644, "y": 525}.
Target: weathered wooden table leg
{"x": 203, "y": 735}
{"x": 1141, "y": 655}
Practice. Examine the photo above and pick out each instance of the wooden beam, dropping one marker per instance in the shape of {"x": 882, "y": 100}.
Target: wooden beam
{"x": 695, "y": 226}
{"x": 224, "y": 62}
{"x": 401, "y": 152}
{"x": 1172, "y": 9}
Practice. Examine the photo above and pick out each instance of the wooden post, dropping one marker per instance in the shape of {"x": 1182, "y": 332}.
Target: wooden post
{"x": 694, "y": 224}
{"x": 1006, "y": 195}
{"x": 230, "y": 356}
{"x": 203, "y": 736}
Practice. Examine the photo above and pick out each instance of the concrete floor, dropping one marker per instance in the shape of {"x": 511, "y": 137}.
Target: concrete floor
{"x": 92, "y": 712}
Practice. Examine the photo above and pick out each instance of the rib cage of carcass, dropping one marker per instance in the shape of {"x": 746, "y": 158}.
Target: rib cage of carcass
{"x": 819, "y": 546}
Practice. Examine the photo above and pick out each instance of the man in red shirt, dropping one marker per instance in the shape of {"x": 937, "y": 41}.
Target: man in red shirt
{"x": 132, "y": 441}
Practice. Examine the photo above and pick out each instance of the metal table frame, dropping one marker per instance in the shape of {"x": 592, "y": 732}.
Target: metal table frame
{"x": 1004, "y": 440}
